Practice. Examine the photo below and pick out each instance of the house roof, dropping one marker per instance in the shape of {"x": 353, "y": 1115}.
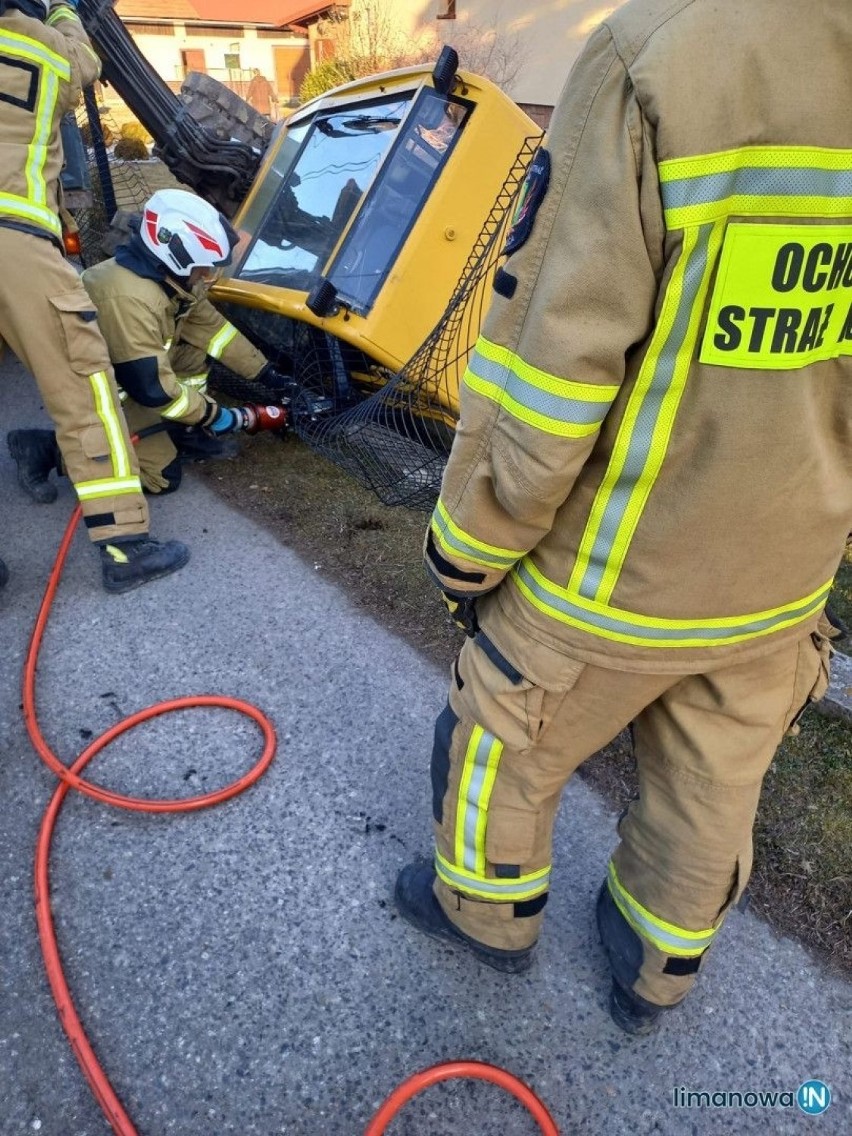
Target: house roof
{"x": 272, "y": 13}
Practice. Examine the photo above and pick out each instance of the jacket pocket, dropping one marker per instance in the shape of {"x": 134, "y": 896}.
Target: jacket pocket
{"x": 78, "y": 323}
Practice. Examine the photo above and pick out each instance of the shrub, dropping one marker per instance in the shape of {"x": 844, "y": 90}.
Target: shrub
{"x": 130, "y": 150}
{"x": 329, "y": 74}
{"x": 137, "y": 132}
{"x": 86, "y": 134}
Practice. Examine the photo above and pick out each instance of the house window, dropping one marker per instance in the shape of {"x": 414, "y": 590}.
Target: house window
{"x": 449, "y": 12}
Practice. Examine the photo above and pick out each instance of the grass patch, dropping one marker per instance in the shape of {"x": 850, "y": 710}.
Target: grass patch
{"x": 802, "y": 879}
{"x": 841, "y": 597}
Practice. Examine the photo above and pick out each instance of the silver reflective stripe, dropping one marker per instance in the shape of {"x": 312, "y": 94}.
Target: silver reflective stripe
{"x": 756, "y": 181}
{"x": 500, "y": 382}
{"x": 177, "y": 407}
{"x": 112, "y": 419}
{"x": 631, "y": 461}
{"x": 456, "y": 540}
{"x": 218, "y": 344}
{"x": 504, "y": 891}
{"x": 665, "y": 936}
{"x": 107, "y": 487}
{"x": 477, "y": 781}
{"x": 650, "y": 631}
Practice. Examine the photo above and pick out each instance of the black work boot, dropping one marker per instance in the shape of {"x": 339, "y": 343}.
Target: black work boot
{"x": 128, "y": 562}
{"x": 37, "y": 456}
{"x": 194, "y": 444}
{"x": 624, "y": 950}
{"x": 417, "y": 904}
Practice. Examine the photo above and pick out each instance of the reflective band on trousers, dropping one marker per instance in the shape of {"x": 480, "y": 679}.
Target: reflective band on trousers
{"x": 666, "y": 937}
{"x": 500, "y": 891}
{"x": 649, "y": 631}
{"x": 456, "y": 542}
{"x": 111, "y": 419}
{"x": 217, "y": 345}
{"x": 552, "y": 404}
{"x": 477, "y": 780}
{"x": 107, "y": 487}
{"x": 467, "y": 873}
{"x": 768, "y": 181}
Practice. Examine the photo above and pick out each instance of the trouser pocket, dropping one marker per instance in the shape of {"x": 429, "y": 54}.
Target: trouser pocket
{"x": 813, "y": 672}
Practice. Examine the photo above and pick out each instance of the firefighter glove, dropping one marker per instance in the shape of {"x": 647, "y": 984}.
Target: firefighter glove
{"x": 462, "y": 610}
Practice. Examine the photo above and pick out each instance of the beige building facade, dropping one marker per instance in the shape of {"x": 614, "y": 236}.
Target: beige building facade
{"x": 527, "y": 46}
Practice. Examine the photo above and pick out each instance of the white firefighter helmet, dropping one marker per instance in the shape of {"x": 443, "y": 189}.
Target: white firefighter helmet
{"x": 185, "y": 232}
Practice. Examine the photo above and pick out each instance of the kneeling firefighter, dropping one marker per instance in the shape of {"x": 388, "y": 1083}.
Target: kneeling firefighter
{"x": 46, "y": 316}
{"x": 651, "y": 484}
{"x": 161, "y": 330}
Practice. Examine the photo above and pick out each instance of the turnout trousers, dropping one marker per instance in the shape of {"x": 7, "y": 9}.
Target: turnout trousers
{"x": 48, "y": 320}
{"x": 508, "y": 741}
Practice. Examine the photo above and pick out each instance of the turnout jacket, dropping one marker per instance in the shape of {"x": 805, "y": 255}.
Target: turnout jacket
{"x": 155, "y": 330}
{"x": 654, "y": 452}
{"x": 43, "y": 68}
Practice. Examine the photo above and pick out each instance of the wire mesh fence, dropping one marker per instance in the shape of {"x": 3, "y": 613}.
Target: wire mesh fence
{"x": 391, "y": 431}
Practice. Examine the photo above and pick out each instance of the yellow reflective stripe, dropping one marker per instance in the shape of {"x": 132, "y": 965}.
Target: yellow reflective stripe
{"x": 25, "y": 48}
{"x": 15, "y": 206}
{"x": 107, "y": 487}
{"x": 37, "y": 153}
{"x": 481, "y": 760}
{"x": 667, "y": 937}
{"x": 771, "y": 181}
{"x": 643, "y": 437}
{"x": 111, "y": 417}
{"x": 621, "y": 626}
{"x": 499, "y": 890}
{"x": 217, "y": 345}
{"x": 547, "y": 402}
{"x": 195, "y": 382}
{"x": 177, "y": 407}
{"x": 456, "y": 542}
{"x": 60, "y": 14}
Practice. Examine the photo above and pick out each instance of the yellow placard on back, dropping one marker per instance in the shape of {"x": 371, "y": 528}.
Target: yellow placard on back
{"x": 782, "y": 297}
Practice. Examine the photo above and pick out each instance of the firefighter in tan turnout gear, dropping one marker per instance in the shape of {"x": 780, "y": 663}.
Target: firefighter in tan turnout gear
{"x": 650, "y": 486}
{"x": 46, "y": 316}
{"x": 161, "y": 331}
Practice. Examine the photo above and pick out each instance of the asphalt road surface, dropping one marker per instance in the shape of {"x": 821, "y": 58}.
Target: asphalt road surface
{"x": 240, "y": 970}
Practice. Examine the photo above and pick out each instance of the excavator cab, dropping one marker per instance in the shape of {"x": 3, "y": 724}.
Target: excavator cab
{"x": 368, "y": 243}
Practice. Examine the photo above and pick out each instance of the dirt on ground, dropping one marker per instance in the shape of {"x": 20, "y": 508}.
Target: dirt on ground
{"x": 802, "y": 879}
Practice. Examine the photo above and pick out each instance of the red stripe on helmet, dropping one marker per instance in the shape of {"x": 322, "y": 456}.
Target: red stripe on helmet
{"x": 205, "y": 239}
{"x": 151, "y": 220}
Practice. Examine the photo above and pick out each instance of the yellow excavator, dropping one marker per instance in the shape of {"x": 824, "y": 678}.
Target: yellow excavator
{"x": 371, "y": 223}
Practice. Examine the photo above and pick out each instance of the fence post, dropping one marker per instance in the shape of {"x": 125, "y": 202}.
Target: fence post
{"x": 101, "y": 156}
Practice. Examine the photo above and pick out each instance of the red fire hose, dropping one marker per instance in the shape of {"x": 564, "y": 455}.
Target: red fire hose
{"x": 70, "y": 778}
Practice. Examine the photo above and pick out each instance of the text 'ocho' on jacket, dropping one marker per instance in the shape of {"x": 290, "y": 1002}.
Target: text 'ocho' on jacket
{"x": 654, "y": 454}
{"x": 151, "y": 329}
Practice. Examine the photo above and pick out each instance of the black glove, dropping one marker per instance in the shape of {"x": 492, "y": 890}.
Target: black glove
{"x": 462, "y": 609}
{"x": 283, "y": 386}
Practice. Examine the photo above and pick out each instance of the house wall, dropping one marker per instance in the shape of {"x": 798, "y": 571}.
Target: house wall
{"x": 545, "y": 36}
{"x": 163, "y": 51}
